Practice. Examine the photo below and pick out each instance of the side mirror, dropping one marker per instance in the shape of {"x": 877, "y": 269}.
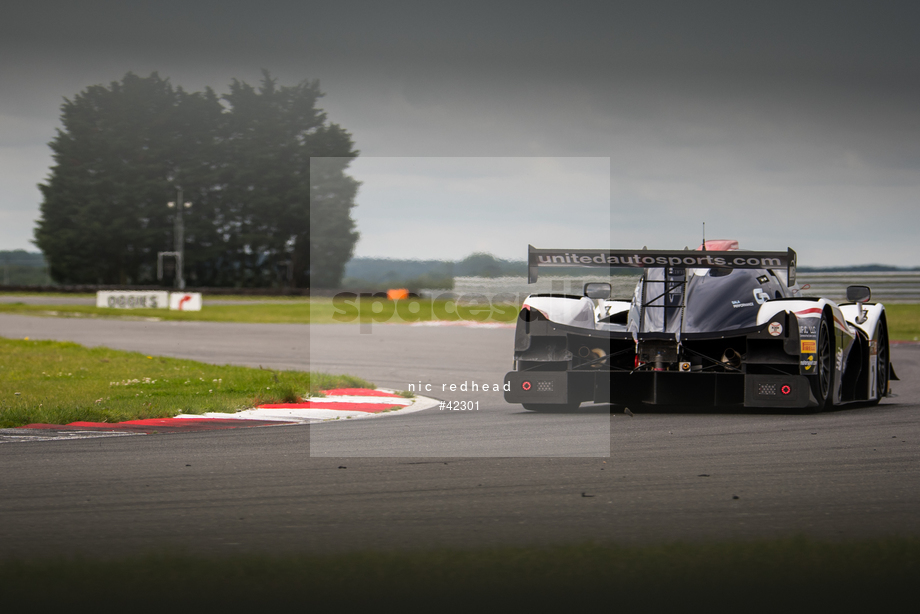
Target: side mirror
{"x": 858, "y": 294}
{"x": 598, "y": 290}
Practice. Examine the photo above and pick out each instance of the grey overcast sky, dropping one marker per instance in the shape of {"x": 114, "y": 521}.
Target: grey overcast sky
{"x": 776, "y": 123}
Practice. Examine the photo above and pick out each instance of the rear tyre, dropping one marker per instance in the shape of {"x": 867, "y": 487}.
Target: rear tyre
{"x": 882, "y": 368}
{"x": 551, "y": 407}
{"x": 823, "y": 379}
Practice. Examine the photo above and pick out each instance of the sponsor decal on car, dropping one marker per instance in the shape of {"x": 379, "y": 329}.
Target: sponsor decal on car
{"x": 760, "y": 296}
{"x": 809, "y": 346}
{"x": 775, "y": 329}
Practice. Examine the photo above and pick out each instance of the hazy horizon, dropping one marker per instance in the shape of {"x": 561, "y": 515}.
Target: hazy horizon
{"x": 619, "y": 125}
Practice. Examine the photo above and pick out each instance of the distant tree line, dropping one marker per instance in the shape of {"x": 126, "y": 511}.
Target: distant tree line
{"x": 376, "y": 273}
{"x": 21, "y": 268}
{"x": 249, "y": 162}
{"x": 382, "y": 273}
{"x": 859, "y": 268}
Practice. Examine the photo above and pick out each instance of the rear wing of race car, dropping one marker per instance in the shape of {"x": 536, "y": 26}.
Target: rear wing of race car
{"x": 645, "y": 258}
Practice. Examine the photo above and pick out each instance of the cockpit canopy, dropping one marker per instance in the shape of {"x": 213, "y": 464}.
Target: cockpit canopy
{"x": 701, "y": 300}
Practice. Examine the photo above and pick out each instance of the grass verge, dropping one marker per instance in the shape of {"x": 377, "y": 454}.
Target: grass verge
{"x": 794, "y": 574}
{"x": 903, "y": 319}
{"x": 295, "y": 312}
{"x": 58, "y": 383}
{"x": 314, "y": 311}
{"x": 903, "y": 322}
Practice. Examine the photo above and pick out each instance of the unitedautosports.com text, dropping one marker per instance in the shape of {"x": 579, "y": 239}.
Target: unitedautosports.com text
{"x": 369, "y": 307}
{"x": 657, "y": 259}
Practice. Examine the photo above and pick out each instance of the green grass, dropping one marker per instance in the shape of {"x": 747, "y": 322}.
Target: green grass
{"x": 58, "y": 383}
{"x": 372, "y": 311}
{"x": 903, "y": 319}
{"x": 293, "y": 313}
{"x": 782, "y": 575}
{"x": 91, "y": 295}
{"x": 207, "y": 297}
{"x": 315, "y": 311}
{"x": 903, "y": 322}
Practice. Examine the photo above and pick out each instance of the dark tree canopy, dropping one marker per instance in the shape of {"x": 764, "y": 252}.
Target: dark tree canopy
{"x": 244, "y": 164}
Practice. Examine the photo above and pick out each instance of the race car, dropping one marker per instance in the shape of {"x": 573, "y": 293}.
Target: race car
{"x": 715, "y": 326}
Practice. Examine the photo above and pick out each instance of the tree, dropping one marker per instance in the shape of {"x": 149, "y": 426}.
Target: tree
{"x": 332, "y": 231}
{"x": 272, "y": 134}
{"x": 245, "y": 166}
{"x": 103, "y": 213}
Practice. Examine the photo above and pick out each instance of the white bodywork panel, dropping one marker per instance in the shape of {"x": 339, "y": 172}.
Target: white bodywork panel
{"x": 845, "y": 326}
{"x": 608, "y": 308}
{"x": 564, "y": 310}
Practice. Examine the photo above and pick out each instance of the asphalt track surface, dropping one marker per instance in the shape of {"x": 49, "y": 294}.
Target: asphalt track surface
{"x": 436, "y": 478}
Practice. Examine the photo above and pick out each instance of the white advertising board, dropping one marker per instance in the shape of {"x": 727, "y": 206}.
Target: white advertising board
{"x": 185, "y": 301}
{"x": 132, "y": 300}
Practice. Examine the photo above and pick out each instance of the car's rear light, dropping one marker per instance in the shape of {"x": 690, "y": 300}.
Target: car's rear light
{"x": 770, "y": 389}
{"x": 762, "y": 390}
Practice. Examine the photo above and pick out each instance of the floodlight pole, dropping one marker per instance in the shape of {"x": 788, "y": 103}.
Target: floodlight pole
{"x": 179, "y": 237}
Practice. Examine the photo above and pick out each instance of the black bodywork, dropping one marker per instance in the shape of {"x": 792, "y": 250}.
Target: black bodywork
{"x": 689, "y": 337}
{"x": 698, "y": 330}
{"x": 568, "y": 365}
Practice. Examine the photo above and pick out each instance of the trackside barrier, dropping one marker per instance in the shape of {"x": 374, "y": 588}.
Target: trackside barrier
{"x": 887, "y": 287}
{"x": 183, "y": 301}
{"x": 132, "y": 300}
{"x": 893, "y": 287}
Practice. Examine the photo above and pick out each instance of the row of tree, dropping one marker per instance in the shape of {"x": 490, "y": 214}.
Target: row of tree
{"x": 377, "y": 273}
{"x": 250, "y": 162}
{"x": 22, "y": 268}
